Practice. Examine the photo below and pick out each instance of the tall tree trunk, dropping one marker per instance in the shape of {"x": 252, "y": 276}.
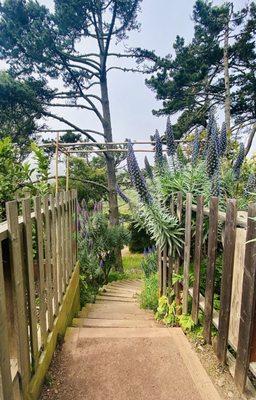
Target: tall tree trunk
{"x": 110, "y": 162}
{"x": 227, "y": 80}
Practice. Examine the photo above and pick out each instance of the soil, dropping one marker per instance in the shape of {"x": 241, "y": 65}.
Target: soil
{"x": 218, "y": 373}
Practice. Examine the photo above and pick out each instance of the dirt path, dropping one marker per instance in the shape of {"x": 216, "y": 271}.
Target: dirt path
{"x": 116, "y": 351}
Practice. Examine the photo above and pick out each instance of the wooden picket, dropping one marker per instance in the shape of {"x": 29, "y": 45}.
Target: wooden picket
{"x": 37, "y": 240}
{"x": 198, "y": 257}
{"x": 210, "y": 272}
{"x": 226, "y": 282}
{"x": 187, "y": 245}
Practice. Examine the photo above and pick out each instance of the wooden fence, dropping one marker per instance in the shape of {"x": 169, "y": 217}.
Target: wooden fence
{"x": 37, "y": 257}
{"x": 230, "y": 233}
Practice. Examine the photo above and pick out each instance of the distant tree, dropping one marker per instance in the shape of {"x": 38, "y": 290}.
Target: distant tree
{"x": 210, "y": 69}
{"x": 89, "y": 180}
{"x": 16, "y": 119}
{"x": 35, "y": 42}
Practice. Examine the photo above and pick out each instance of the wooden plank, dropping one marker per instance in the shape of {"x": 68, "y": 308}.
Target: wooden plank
{"x": 70, "y": 232}
{"x": 48, "y": 269}
{"x": 170, "y": 274}
{"x": 5, "y": 367}
{"x": 67, "y": 265}
{"x": 210, "y": 273}
{"x": 240, "y": 222}
{"x": 248, "y": 303}
{"x": 165, "y": 270}
{"x": 40, "y": 254}
{"x": 160, "y": 272}
{"x": 18, "y": 293}
{"x": 59, "y": 249}
{"x": 187, "y": 247}
{"x": 237, "y": 286}
{"x": 198, "y": 257}
{"x": 63, "y": 240}
{"x": 54, "y": 253}
{"x": 76, "y": 225}
{"x": 179, "y": 206}
{"x": 226, "y": 281}
{"x": 176, "y": 261}
{"x": 28, "y": 242}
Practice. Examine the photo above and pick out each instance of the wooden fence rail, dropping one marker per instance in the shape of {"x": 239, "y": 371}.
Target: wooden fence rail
{"x": 230, "y": 234}
{"x": 37, "y": 258}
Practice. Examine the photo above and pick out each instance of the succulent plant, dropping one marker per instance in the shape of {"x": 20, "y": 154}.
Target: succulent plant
{"x": 223, "y": 140}
{"x": 251, "y": 185}
{"x": 137, "y": 178}
{"x": 148, "y": 168}
{"x": 159, "y": 160}
{"x": 239, "y": 161}
{"x": 212, "y": 158}
{"x": 171, "y": 146}
{"x": 122, "y": 194}
{"x": 212, "y": 130}
{"x": 216, "y": 186}
{"x": 196, "y": 147}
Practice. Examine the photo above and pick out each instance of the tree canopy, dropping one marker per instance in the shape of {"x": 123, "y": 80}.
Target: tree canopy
{"x": 194, "y": 79}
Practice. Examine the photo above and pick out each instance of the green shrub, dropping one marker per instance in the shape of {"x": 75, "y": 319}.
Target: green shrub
{"x": 149, "y": 294}
{"x": 149, "y": 264}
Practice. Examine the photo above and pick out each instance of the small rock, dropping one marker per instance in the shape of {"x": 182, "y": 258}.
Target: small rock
{"x": 56, "y": 391}
{"x": 230, "y": 395}
{"x": 200, "y": 348}
{"x": 221, "y": 382}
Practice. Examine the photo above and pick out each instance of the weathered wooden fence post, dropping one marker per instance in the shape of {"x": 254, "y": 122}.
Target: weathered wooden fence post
{"x": 198, "y": 257}
{"x": 210, "y": 274}
{"x": 5, "y": 369}
{"x": 40, "y": 256}
{"x": 160, "y": 271}
{"x": 176, "y": 266}
{"x": 27, "y": 223}
{"x": 226, "y": 281}
{"x": 21, "y": 328}
{"x": 187, "y": 253}
{"x": 248, "y": 302}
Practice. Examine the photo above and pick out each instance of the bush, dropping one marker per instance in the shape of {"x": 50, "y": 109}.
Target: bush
{"x": 149, "y": 294}
{"x": 97, "y": 243}
{"x": 140, "y": 240}
{"x": 149, "y": 264}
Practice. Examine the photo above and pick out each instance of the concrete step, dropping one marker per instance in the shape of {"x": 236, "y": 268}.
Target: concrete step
{"x": 114, "y": 299}
{"x": 117, "y": 293}
{"x": 114, "y": 323}
{"x": 116, "y": 315}
{"x": 127, "y": 286}
{"x": 85, "y": 333}
{"x": 111, "y": 306}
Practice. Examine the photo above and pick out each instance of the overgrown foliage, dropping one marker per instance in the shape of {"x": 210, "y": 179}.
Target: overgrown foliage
{"x": 97, "y": 244}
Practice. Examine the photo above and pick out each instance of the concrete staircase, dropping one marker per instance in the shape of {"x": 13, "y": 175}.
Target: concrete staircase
{"x": 116, "y": 307}
{"x": 114, "y": 350}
